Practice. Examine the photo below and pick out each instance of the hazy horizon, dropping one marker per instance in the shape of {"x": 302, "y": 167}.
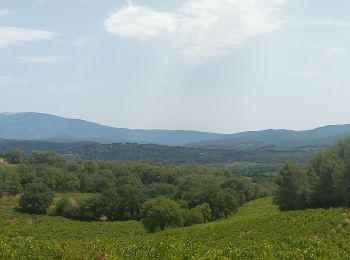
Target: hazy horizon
{"x": 196, "y": 130}
{"x": 223, "y": 66}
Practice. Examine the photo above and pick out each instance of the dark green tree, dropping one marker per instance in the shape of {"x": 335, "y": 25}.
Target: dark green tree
{"x": 36, "y": 198}
{"x": 293, "y": 191}
{"x": 15, "y": 156}
{"x": 157, "y": 214}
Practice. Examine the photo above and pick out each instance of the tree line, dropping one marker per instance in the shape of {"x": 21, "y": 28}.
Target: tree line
{"x": 159, "y": 195}
{"x": 324, "y": 183}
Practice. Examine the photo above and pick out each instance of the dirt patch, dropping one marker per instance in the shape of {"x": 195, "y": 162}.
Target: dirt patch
{"x": 30, "y": 221}
{"x": 13, "y": 221}
{"x": 73, "y": 202}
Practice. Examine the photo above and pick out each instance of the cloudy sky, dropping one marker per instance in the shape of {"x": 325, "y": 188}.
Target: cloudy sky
{"x": 210, "y": 65}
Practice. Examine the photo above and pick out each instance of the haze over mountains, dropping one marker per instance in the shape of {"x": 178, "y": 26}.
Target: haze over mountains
{"x": 39, "y": 126}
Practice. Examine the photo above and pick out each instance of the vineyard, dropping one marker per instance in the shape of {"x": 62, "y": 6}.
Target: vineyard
{"x": 257, "y": 231}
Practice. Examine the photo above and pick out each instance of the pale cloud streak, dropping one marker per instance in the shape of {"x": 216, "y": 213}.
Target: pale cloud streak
{"x": 11, "y": 36}
{"x": 333, "y": 52}
{"x": 81, "y": 42}
{"x": 4, "y": 12}
{"x": 6, "y": 81}
{"x": 201, "y": 29}
{"x": 320, "y": 23}
{"x": 40, "y": 59}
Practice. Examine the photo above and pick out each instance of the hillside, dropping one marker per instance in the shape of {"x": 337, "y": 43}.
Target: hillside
{"x": 159, "y": 153}
{"x": 258, "y": 231}
{"x": 38, "y": 126}
{"x": 45, "y": 127}
{"x": 319, "y": 137}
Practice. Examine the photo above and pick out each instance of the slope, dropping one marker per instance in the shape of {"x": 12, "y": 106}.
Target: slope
{"x": 258, "y": 231}
{"x": 36, "y": 126}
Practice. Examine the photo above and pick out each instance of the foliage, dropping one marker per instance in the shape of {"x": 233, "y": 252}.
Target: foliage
{"x": 293, "y": 188}
{"x": 161, "y": 213}
{"x": 36, "y": 198}
{"x": 9, "y": 181}
{"x": 261, "y": 157}
{"x": 325, "y": 183}
{"x": 120, "y": 188}
{"x": 257, "y": 231}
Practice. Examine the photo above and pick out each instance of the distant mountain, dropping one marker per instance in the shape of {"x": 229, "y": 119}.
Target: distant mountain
{"x": 45, "y": 127}
{"x": 319, "y": 137}
{"x": 38, "y": 126}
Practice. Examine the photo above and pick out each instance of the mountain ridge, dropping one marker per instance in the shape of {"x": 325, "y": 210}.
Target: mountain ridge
{"x": 42, "y": 126}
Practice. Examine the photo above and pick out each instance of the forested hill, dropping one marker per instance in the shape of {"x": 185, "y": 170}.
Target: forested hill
{"x": 38, "y": 126}
{"x": 319, "y": 137}
{"x": 159, "y": 153}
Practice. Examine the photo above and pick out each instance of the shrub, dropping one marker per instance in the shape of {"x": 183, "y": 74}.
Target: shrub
{"x": 92, "y": 208}
{"x": 36, "y": 199}
{"x": 161, "y": 213}
{"x": 67, "y": 207}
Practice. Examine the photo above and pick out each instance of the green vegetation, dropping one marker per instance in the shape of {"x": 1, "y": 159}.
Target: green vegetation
{"x": 165, "y": 154}
{"x": 126, "y": 190}
{"x": 36, "y": 199}
{"x": 324, "y": 184}
{"x": 253, "y": 233}
{"x": 146, "y": 210}
{"x": 160, "y": 213}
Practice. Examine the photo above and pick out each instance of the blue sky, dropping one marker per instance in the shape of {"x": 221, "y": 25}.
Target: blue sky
{"x": 210, "y": 65}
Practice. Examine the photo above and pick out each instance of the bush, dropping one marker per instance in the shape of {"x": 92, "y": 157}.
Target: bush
{"x": 157, "y": 214}
{"x": 36, "y": 199}
{"x": 68, "y": 208}
{"x": 198, "y": 215}
{"x": 92, "y": 208}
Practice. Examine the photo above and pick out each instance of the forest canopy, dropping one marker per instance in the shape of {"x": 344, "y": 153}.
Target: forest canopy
{"x": 126, "y": 190}
{"x": 325, "y": 183}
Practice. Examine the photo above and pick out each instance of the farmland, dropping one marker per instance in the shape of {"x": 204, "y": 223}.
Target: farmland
{"x": 254, "y": 232}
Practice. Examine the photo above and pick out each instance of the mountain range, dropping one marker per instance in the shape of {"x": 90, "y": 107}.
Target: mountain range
{"x": 46, "y": 127}
{"x": 39, "y": 126}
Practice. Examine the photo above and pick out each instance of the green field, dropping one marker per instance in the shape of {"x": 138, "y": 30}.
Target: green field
{"x": 257, "y": 231}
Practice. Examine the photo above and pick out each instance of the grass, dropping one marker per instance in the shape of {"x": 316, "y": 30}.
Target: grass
{"x": 257, "y": 231}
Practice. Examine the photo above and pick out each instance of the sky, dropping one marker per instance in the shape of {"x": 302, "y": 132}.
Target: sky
{"x": 211, "y": 65}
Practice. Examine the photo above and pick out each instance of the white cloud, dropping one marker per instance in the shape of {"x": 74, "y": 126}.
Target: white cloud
{"x": 333, "y": 52}
{"x": 10, "y": 36}
{"x": 139, "y": 21}
{"x": 319, "y": 23}
{"x": 81, "y": 42}
{"x": 201, "y": 28}
{"x": 4, "y": 12}
{"x": 40, "y": 59}
{"x": 6, "y": 81}
{"x": 306, "y": 73}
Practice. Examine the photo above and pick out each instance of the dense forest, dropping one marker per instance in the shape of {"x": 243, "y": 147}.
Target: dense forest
{"x": 160, "y": 153}
{"x": 325, "y": 183}
{"x": 160, "y": 195}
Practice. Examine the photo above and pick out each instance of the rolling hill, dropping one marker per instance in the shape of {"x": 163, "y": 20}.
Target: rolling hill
{"x": 257, "y": 231}
{"x": 158, "y": 153}
{"x": 39, "y": 126}
{"x": 45, "y": 127}
{"x": 319, "y": 137}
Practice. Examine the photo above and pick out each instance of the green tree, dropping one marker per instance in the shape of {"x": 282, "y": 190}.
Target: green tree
{"x": 92, "y": 208}
{"x": 15, "y": 156}
{"x": 159, "y": 213}
{"x": 293, "y": 191}
{"x": 36, "y": 198}
{"x": 198, "y": 215}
